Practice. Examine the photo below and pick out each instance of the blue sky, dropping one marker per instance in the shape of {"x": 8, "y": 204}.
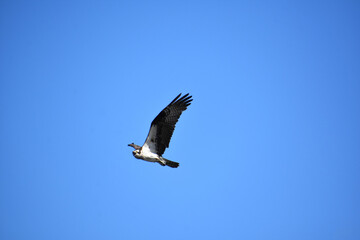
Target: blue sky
{"x": 269, "y": 148}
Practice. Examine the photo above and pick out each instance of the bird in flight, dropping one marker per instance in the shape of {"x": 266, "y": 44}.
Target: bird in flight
{"x": 161, "y": 130}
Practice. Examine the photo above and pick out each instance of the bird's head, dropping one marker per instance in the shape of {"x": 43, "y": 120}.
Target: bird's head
{"x": 137, "y": 150}
{"x": 136, "y": 153}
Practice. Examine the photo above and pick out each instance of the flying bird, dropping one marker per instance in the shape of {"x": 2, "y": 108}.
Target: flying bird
{"x": 161, "y": 131}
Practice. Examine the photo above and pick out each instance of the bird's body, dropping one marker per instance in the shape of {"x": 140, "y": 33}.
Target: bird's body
{"x": 161, "y": 130}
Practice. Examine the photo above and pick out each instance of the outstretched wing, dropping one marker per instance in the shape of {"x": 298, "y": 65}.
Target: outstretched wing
{"x": 163, "y": 126}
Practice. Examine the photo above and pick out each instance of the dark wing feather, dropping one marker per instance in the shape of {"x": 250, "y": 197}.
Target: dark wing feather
{"x": 165, "y": 122}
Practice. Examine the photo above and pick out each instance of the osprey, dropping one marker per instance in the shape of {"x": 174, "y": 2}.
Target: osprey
{"x": 161, "y": 130}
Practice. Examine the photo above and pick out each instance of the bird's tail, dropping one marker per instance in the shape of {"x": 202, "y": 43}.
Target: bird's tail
{"x": 170, "y": 163}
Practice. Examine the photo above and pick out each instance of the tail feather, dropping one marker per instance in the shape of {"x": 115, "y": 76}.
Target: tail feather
{"x": 171, "y": 163}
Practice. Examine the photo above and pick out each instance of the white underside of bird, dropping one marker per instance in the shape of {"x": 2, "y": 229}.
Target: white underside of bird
{"x": 147, "y": 151}
{"x": 147, "y": 155}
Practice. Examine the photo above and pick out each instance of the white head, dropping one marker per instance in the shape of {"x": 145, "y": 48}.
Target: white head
{"x": 136, "y": 154}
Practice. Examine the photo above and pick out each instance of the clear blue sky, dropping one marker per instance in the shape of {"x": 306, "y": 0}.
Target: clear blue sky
{"x": 269, "y": 148}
